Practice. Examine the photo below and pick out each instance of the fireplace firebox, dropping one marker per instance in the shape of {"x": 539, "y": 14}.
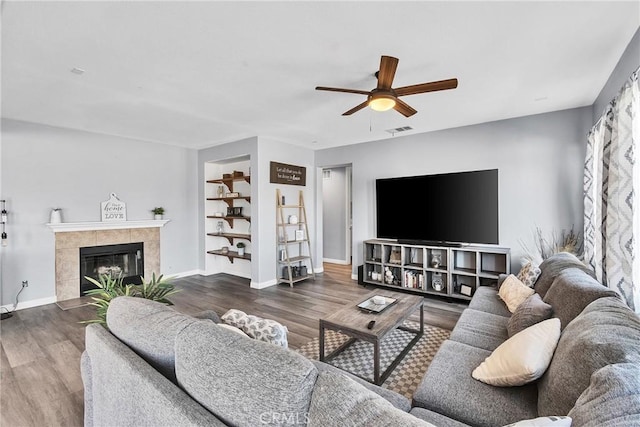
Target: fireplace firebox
{"x": 124, "y": 261}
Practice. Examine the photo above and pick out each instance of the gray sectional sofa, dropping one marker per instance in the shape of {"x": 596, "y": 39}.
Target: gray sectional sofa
{"x": 600, "y": 334}
{"x": 157, "y": 367}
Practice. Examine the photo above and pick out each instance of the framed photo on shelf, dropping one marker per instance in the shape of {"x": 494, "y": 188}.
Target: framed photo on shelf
{"x": 465, "y": 290}
{"x": 299, "y": 235}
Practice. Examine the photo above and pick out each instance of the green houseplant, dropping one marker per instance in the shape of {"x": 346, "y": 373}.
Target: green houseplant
{"x": 108, "y": 288}
{"x": 158, "y": 212}
{"x": 240, "y": 247}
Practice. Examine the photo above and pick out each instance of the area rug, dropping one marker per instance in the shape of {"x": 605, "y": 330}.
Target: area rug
{"x": 358, "y": 357}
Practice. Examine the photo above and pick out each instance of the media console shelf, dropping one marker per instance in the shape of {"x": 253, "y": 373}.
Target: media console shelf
{"x": 454, "y": 272}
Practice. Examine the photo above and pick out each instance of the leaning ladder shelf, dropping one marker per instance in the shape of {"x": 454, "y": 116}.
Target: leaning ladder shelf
{"x": 288, "y": 265}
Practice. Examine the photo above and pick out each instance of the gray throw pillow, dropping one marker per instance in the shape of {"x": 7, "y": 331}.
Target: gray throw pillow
{"x": 533, "y": 310}
{"x": 612, "y": 398}
{"x": 606, "y": 332}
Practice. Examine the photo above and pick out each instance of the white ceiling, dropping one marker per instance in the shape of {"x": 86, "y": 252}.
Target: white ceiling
{"x": 197, "y": 74}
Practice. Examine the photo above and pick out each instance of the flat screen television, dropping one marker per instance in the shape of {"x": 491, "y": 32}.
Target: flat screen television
{"x": 450, "y": 208}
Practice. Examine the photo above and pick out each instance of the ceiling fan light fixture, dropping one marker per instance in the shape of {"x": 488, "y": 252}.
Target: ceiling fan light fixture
{"x": 381, "y": 102}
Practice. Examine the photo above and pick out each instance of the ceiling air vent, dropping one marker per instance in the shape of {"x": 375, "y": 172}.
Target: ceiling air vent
{"x": 398, "y": 130}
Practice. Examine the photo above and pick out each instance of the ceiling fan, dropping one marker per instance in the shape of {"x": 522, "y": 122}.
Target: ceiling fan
{"x": 384, "y": 97}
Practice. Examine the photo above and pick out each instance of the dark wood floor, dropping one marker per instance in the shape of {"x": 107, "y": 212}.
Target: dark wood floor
{"x": 40, "y": 347}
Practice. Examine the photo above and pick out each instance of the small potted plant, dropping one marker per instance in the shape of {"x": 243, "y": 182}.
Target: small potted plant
{"x": 241, "y": 247}
{"x": 157, "y": 213}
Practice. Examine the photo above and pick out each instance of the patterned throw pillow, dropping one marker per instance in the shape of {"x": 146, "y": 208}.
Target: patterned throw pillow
{"x": 529, "y": 273}
{"x": 258, "y": 328}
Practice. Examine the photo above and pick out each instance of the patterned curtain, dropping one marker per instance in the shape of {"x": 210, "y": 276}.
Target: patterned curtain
{"x": 611, "y": 203}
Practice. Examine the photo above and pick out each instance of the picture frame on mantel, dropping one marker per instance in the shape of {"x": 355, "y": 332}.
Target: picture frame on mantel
{"x": 113, "y": 209}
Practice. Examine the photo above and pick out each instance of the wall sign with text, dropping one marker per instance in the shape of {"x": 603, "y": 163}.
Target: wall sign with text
{"x": 282, "y": 173}
{"x": 113, "y": 209}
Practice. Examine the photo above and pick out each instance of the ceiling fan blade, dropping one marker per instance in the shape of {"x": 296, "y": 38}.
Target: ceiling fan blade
{"x": 427, "y": 87}
{"x": 404, "y": 108}
{"x": 356, "y": 108}
{"x": 388, "y": 65}
{"x": 337, "y": 89}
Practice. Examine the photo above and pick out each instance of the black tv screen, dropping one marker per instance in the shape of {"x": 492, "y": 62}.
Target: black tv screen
{"x": 457, "y": 207}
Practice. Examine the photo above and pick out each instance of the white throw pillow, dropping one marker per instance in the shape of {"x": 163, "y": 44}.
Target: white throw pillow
{"x": 550, "y": 421}
{"x": 513, "y": 292}
{"x": 522, "y": 358}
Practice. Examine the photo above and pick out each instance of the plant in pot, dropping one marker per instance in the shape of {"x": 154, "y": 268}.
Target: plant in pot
{"x": 241, "y": 247}
{"x": 157, "y": 212}
{"x": 108, "y": 288}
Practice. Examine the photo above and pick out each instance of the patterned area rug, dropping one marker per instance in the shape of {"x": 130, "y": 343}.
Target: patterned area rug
{"x": 358, "y": 357}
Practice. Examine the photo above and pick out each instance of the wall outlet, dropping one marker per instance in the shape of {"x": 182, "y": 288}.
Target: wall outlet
{"x": 25, "y": 283}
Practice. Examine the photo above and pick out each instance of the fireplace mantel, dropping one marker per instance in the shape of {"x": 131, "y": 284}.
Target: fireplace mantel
{"x": 105, "y": 225}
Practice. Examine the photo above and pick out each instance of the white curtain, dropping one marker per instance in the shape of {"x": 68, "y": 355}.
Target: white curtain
{"x": 612, "y": 199}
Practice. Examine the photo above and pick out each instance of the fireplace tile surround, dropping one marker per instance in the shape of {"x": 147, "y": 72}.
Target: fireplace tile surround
{"x": 67, "y": 253}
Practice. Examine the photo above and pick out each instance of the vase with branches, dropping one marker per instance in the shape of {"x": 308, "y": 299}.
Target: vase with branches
{"x": 547, "y": 245}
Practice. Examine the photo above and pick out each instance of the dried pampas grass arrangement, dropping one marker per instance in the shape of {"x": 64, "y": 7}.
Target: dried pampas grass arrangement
{"x": 564, "y": 241}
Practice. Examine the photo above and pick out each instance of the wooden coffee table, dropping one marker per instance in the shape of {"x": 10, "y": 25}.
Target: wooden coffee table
{"x": 352, "y": 321}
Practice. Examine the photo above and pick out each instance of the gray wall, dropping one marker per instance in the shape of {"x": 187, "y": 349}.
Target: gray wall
{"x": 540, "y": 160}
{"x": 628, "y": 63}
{"x": 334, "y": 214}
{"x": 45, "y": 167}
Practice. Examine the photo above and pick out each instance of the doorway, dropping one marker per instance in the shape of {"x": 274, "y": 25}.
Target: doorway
{"x": 336, "y": 215}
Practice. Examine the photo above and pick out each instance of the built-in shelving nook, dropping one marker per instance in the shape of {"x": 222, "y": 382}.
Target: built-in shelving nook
{"x": 227, "y": 214}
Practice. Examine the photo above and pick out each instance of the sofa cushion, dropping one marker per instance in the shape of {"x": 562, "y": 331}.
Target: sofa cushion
{"x": 338, "y": 400}
{"x": 529, "y": 273}
{"x": 449, "y": 389}
{"x": 533, "y": 310}
{"x": 606, "y": 332}
{"x": 553, "y": 421}
{"x": 435, "y": 418}
{"x": 552, "y": 266}
{"x": 480, "y": 329}
{"x": 149, "y": 328}
{"x": 612, "y": 398}
{"x": 244, "y": 382}
{"x": 572, "y": 291}
{"x": 397, "y": 400}
{"x": 486, "y": 299}
{"x": 522, "y": 358}
{"x": 513, "y": 292}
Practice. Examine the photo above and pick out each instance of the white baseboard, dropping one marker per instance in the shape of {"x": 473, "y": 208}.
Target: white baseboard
{"x": 188, "y": 273}
{"x": 335, "y": 261}
{"x": 354, "y": 277}
{"x": 31, "y": 303}
{"x": 262, "y": 285}
{"x": 318, "y": 270}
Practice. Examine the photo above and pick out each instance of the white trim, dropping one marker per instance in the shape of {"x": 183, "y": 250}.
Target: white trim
{"x": 318, "y": 270}
{"x": 354, "y": 277}
{"x": 262, "y": 285}
{"x": 31, "y": 303}
{"x": 106, "y": 225}
{"x": 335, "y": 261}
{"x": 186, "y": 273}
